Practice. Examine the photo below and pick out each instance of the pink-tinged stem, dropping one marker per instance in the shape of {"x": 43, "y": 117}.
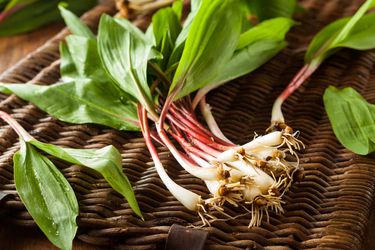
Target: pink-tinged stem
{"x": 186, "y": 197}
{"x": 191, "y": 124}
{"x": 188, "y": 113}
{"x": 154, "y": 135}
{"x": 195, "y": 134}
{"x": 130, "y": 120}
{"x": 193, "y": 169}
{"x": 193, "y": 129}
{"x": 171, "y": 147}
{"x": 201, "y": 162}
{"x": 205, "y": 147}
{"x": 164, "y": 111}
{"x": 195, "y": 160}
{"x": 188, "y": 147}
{"x": 11, "y": 11}
{"x": 189, "y": 118}
{"x": 201, "y": 93}
{"x": 191, "y": 149}
{"x": 211, "y": 122}
{"x": 16, "y": 126}
{"x": 306, "y": 71}
{"x": 184, "y": 124}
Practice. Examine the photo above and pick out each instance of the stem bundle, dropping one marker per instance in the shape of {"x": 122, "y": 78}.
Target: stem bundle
{"x": 253, "y": 176}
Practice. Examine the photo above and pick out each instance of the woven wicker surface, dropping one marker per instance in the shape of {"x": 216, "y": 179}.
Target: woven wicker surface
{"x": 329, "y": 209}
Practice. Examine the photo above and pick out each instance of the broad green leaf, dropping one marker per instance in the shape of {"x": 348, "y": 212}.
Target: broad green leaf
{"x": 320, "y": 42}
{"x": 47, "y": 195}
{"x": 274, "y": 29}
{"x": 267, "y": 9}
{"x": 178, "y": 7}
{"x": 248, "y": 59}
{"x": 166, "y": 28}
{"x": 106, "y": 161}
{"x": 355, "y": 32}
{"x": 211, "y": 41}
{"x": 352, "y": 119}
{"x": 78, "y": 102}
{"x": 362, "y": 36}
{"x": 255, "y": 47}
{"x": 180, "y": 41}
{"x": 68, "y": 69}
{"x": 89, "y": 96}
{"x": 125, "y": 52}
{"x": 75, "y": 25}
{"x": 38, "y": 14}
{"x": 195, "y": 5}
{"x": 247, "y": 19}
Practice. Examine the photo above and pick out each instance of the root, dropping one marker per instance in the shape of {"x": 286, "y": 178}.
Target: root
{"x": 280, "y": 162}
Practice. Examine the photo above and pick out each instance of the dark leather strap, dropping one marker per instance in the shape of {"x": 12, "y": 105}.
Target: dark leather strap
{"x": 183, "y": 238}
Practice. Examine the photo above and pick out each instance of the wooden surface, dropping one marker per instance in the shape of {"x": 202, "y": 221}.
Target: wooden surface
{"x": 12, "y": 49}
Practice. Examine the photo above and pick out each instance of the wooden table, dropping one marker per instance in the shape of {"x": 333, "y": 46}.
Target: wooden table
{"x": 12, "y": 49}
{"x": 15, "y": 237}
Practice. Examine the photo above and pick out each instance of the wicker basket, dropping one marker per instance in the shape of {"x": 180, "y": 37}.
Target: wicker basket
{"x": 329, "y": 209}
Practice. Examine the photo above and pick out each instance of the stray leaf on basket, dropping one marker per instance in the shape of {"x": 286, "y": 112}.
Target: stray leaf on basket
{"x": 46, "y": 193}
{"x": 352, "y": 119}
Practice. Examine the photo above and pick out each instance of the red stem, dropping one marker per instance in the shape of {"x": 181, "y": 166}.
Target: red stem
{"x": 190, "y": 148}
{"x": 156, "y": 137}
{"x": 306, "y": 71}
{"x": 193, "y": 124}
{"x": 16, "y": 126}
{"x": 211, "y": 122}
{"x": 205, "y": 147}
{"x": 11, "y": 11}
{"x": 185, "y": 125}
{"x": 198, "y": 136}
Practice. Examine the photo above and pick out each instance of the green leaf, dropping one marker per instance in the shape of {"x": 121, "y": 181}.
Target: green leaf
{"x": 248, "y": 59}
{"x": 13, "y": 3}
{"x": 274, "y": 29}
{"x": 210, "y": 44}
{"x": 362, "y": 36}
{"x": 195, "y": 5}
{"x": 180, "y": 41}
{"x": 75, "y": 25}
{"x": 268, "y": 9}
{"x": 178, "y": 7}
{"x": 89, "y": 96}
{"x": 68, "y": 69}
{"x": 352, "y": 119}
{"x": 255, "y": 47}
{"x": 38, "y": 14}
{"x": 355, "y": 32}
{"x": 3, "y": 3}
{"x": 47, "y": 195}
{"x": 78, "y": 102}
{"x": 106, "y": 161}
{"x": 166, "y": 28}
{"x": 125, "y": 52}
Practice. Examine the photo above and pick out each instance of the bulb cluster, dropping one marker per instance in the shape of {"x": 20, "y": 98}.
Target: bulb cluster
{"x": 253, "y": 176}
